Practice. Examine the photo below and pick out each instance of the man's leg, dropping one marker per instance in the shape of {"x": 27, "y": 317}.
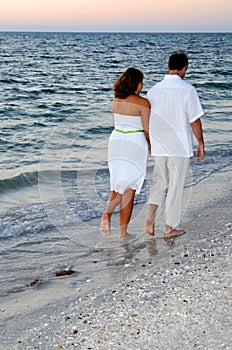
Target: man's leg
{"x": 178, "y": 167}
{"x": 150, "y": 220}
{"x": 157, "y": 192}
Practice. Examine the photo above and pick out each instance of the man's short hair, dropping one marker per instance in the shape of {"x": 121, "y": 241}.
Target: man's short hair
{"x": 178, "y": 60}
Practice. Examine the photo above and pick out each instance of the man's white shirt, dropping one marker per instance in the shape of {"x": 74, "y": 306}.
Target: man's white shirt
{"x": 174, "y": 106}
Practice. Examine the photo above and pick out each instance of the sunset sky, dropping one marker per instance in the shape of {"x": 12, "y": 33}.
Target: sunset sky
{"x": 116, "y": 15}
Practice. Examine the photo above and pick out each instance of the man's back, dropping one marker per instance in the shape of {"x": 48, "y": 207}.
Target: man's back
{"x": 174, "y": 105}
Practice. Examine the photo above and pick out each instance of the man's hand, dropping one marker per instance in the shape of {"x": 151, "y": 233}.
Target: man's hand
{"x": 200, "y": 153}
{"x": 197, "y": 130}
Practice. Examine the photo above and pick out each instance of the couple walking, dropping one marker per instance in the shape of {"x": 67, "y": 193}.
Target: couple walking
{"x": 161, "y": 125}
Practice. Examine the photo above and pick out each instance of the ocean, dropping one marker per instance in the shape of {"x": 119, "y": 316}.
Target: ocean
{"x": 55, "y": 109}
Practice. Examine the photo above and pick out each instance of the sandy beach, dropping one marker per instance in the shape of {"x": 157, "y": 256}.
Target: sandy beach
{"x": 162, "y": 294}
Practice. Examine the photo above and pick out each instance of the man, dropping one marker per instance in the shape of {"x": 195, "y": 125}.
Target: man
{"x": 175, "y": 114}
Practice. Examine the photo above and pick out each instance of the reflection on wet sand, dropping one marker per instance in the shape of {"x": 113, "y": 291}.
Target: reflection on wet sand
{"x": 151, "y": 247}
{"x": 131, "y": 249}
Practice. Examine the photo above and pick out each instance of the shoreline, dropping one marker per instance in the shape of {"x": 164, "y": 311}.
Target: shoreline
{"x": 167, "y": 294}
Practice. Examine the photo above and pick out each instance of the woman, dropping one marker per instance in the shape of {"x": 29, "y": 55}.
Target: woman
{"x": 128, "y": 148}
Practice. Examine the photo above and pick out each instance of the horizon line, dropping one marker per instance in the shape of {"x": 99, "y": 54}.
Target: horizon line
{"x": 111, "y": 31}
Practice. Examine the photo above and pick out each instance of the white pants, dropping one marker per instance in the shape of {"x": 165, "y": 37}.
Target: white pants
{"x": 169, "y": 176}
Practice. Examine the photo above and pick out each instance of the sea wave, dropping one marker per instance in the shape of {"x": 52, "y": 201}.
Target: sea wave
{"x": 214, "y": 85}
{"x": 73, "y": 204}
{"x": 19, "y": 181}
{"x": 217, "y": 158}
{"x": 39, "y": 218}
{"x": 99, "y": 130}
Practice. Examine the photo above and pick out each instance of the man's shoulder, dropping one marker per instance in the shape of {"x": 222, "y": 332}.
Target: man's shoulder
{"x": 173, "y": 84}
{"x": 182, "y": 85}
{"x": 186, "y": 84}
{"x": 155, "y": 86}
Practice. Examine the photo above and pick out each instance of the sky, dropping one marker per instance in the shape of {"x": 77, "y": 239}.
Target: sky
{"x": 116, "y": 15}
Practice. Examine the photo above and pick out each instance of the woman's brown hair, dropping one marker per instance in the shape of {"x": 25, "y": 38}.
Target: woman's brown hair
{"x": 127, "y": 83}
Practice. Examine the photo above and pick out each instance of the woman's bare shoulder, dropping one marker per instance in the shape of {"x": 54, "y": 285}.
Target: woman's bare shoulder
{"x": 132, "y": 104}
{"x": 143, "y": 101}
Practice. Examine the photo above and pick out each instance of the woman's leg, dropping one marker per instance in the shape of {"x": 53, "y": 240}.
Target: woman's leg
{"x": 126, "y": 207}
{"x": 114, "y": 200}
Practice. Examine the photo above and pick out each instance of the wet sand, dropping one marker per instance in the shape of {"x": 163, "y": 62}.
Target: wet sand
{"x": 160, "y": 294}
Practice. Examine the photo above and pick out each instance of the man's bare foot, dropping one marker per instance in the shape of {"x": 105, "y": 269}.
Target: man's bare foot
{"x": 173, "y": 233}
{"x": 149, "y": 226}
{"x": 105, "y": 224}
{"x": 124, "y": 235}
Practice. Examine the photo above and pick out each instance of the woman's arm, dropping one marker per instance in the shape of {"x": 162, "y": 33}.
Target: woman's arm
{"x": 145, "y": 116}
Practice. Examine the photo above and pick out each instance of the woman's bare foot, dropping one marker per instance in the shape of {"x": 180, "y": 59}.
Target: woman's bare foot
{"x": 105, "y": 224}
{"x": 149, "y": 226}
{"x": 124, "y": 235}
{"x": 173, "y": 233}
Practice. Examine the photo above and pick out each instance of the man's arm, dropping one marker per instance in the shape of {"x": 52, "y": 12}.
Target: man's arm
{"x": 197, "y": 130}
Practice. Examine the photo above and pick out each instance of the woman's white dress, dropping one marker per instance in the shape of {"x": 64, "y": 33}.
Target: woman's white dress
{"x": 127, "y": 154}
